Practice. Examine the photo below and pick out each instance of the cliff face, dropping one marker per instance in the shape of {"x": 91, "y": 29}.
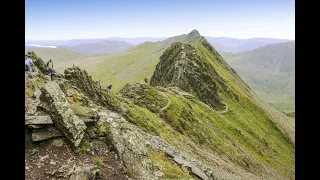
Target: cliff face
{"x": 197, "y": 120}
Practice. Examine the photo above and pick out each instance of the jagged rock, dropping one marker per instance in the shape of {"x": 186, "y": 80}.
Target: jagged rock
{"x": 62, "y": 115}
{"x": 83, "y": 81}
{"x": 131, "y": 144}
{"x": 45, "y": 134}
{"x": 38, "y": 120}
{"x": 182, "y": 67}
{"x": 84, "y": 173}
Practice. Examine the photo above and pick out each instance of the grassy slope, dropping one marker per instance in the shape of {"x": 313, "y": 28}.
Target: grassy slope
{"x": 188, "y": 124}
{"x": 252, "y": 127}
{"x": 101, "y": 47}
{"x": 269, "y": 70}
{"x": 60, "y": 56}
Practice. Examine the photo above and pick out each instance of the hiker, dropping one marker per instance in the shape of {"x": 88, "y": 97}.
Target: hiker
{"x": 146, "y": 80}
{"x": 50, "y": 68}
{"x": 108, "y": 88}
{"x": 28, "y": 63}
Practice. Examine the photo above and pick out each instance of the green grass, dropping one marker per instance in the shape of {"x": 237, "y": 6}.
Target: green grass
{"x": 170, "y": 169}
{"x": 96, "y": 160}
{"x": 84, "y": 146}
{"x": 247, "y": 125}
{"x": 81, "y": 110}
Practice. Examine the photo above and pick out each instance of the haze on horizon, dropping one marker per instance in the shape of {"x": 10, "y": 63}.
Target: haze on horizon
{"x": 62, "y": 20}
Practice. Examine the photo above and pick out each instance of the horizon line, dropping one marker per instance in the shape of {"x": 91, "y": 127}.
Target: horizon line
{"x": 154, "y": 37}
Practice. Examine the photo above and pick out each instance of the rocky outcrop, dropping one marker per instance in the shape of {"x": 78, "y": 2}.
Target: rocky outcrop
{"x": 62, "y": 115}
{"x": 182, "y": 67}
{"x": 80, "y": 79}
{"x": 132, "y": 145}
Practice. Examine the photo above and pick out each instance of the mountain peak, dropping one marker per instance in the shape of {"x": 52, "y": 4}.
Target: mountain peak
{"x": 182, "y": 67}
{"x": 194, "y": 33}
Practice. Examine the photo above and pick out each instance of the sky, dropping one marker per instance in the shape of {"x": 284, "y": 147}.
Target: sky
{"x": 82, "y": 19}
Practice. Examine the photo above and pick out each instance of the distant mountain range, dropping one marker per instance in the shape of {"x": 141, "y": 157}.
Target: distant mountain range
{"x": 269, "y": 70}
{"x": 226, "y": 44}
{"x": 101, "y": 47}
{"x": 119, "y": 44}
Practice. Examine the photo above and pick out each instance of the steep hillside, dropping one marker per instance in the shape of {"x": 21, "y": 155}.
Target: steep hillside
{"x": 270, "y": 71}
{"x": 165, "y": 131}
{"x": 101, "y": 47}
{"x": 233, "y": 45}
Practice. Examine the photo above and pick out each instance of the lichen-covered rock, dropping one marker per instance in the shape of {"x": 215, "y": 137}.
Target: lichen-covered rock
{"x": 84, "y": 173}
{"x": 62, "y": 115}
{"x": 38, "y": 120}
{"x": 181, "y": 66}
{"x": 46, "y": 133}
{"x": 132, "y": 145}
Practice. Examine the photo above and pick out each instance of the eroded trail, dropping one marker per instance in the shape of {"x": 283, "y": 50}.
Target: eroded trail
{"x": 168, "y": 104}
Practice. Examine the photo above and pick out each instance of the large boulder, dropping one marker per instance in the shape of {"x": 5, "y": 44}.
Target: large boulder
{"x": 62, "y": 115}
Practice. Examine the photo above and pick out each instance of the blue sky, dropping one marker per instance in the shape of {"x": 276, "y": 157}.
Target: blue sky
{"x": 74, "y": 19}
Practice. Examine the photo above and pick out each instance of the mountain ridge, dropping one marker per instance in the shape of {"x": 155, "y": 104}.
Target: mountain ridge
{"x": 161, "y": 131}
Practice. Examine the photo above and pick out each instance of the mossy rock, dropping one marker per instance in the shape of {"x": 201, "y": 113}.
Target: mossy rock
{"x": 170, "y": 169}
{"x": 74, "y": 96}
{"x": 84, "y": 111}
{"x": 29, "y": 90}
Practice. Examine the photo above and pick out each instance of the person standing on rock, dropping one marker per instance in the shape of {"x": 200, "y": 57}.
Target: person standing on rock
{"x": 146, "y": 80}
{"x": 50, "y": 68}
{"x": 28, "y": 63}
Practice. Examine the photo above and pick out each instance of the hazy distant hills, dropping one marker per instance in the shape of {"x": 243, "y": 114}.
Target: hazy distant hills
{"x": 100, "y": 47}
{"x": 222, "y": 44}
{"x": 226, "y": 44}
{"x": 138, "y": 40}
{"x": 269, "y": 70}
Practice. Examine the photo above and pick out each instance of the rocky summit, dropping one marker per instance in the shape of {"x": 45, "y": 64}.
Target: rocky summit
{"x": 195, "y": 120}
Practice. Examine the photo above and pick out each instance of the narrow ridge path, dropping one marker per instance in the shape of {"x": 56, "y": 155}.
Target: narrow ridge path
{"x": 168, "y": 104}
